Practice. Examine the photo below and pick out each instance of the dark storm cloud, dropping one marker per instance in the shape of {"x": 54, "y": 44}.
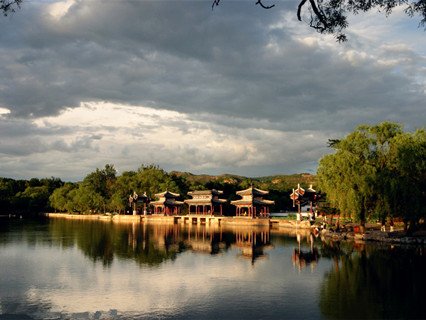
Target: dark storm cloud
{"x": 236, "y": 67}
{"x": 183, "y": 56}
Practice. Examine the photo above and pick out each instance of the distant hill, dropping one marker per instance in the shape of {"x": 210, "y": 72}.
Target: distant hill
{"x": 275, "y": 182}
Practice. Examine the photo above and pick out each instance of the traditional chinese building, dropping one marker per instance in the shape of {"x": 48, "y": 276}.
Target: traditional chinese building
{"x": 167, "y": 203}
{"x": 138, "y": 203}
{"x": 252, "y": 203}
{"x": 205, "y": 202}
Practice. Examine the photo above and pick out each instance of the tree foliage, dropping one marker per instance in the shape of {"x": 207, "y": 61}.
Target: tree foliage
{"x": 331, "y": 16}
{"x": 377, "y": 172}
{"x": 102, "y": 190}
{"x": 8, "y": 6}
{"x": 26, "y": 197}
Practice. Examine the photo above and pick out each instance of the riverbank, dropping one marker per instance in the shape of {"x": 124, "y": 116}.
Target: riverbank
{"x": 190, "y": 219}
{"x": 372, "y": 232}
{"x": 395, "y": 237}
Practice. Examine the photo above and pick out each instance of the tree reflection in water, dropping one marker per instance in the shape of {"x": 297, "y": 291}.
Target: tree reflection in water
{"x": 365, "y": 281}
{"x": 153, "y": 244}
{"x": 373, "y": 281}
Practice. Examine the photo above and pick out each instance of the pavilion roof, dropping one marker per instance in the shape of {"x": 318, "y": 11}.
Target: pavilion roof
{"x": 167, "y": 194}
{"x": 310, "y": 189}
{"x": 252, "y": 191}
{"x": 167, "y": 201}
{"x": 205, "y": 201}
{"x": 243, "y": 202}
{"x": 205, "y": 192}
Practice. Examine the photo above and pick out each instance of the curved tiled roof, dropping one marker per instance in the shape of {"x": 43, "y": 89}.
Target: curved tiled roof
{"x": 170, "y": 202}
{"x": 167, "y": 194}
{"x": 252, "y": 191}
{"x": 243, "y": 202}
{"x": 205, "y": 192}
{"x": 204, "y": 201}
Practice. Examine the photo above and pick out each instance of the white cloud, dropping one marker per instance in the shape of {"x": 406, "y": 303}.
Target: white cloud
{"x": 60, "y": 8}
{"x": 4, "y": 111}
{"x": 130, "y": 135}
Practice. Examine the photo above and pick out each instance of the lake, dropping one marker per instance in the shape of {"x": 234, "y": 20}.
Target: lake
{"x": 67, "y": 269}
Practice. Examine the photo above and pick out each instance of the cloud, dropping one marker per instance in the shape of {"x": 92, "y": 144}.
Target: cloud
{"x": 218, "y": 90}
{"x": 127, "y": 136}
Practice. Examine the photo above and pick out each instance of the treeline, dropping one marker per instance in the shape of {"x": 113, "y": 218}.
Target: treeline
{"x": 377, "y": 172}
{"x": 27, "y": 196}
{"x": 103, "y": 190}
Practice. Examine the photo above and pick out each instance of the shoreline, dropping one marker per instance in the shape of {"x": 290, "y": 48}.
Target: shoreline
{"x": 370, "y": 235}
{"x": 190, "y": 219}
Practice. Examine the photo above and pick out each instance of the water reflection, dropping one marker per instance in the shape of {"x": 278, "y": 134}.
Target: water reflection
{"x": 89, "y": 269}
{"x": 381, "y": 281}
{"x": 302, "y": 258}
{"x": 252, "y": 243}
{"x": 153, "y": 244}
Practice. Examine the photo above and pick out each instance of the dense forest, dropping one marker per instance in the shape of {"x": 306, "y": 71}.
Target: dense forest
{"x": 104, "y": 191}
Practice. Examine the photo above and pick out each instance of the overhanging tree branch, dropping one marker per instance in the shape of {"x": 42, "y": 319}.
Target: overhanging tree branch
{"x": 330, "y": 16}
{"x": 263, "y": 6}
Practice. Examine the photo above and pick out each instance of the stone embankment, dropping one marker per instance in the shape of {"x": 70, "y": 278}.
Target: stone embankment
{"x": 191, "y": 219}
{"x": 376, "y": 235}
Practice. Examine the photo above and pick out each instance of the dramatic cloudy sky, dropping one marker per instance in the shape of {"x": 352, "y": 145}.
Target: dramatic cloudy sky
{"x": 237, "y": 89}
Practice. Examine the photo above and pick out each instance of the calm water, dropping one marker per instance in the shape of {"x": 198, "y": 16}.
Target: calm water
{"x": 61, "y": 269}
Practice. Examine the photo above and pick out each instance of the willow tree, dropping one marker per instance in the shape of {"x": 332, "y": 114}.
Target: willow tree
{"x": 408, "y": 163}
{"x": 346, "y": 176}
{"x": 376, "y": 172}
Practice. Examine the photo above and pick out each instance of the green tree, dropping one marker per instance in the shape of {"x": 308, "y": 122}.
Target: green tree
{"x": 61, "y": 198}
{"x": 152, "y": 179}
{"x": 94, "y": 193}
{"x": 102, "y": 181}
{"x": 87, "y": 200}
{"x": 376, "y": 172}
{"x": 123, "y": 187}
{"x": 408, "y": 164}
{"x": 33, "y": 200}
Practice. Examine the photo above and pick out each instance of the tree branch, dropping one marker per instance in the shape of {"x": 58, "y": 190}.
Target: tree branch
{"x": 299, "y": 9}
{"x": 263, "y": 6}
{"x": 215, "y": 3}
{"x": 319, "y": 14}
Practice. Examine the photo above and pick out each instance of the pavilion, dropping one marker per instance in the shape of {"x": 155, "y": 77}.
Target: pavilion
{"x": 205, "y": 202}
{"x": 252, "y": 203}
{"x": 167, "y": 203}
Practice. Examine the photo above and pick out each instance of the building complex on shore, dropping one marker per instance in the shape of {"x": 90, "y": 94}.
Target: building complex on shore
{"x": 206, "y": 202}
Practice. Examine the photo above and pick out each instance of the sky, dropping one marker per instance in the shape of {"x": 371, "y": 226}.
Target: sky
{"x": 237, "y": 89}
